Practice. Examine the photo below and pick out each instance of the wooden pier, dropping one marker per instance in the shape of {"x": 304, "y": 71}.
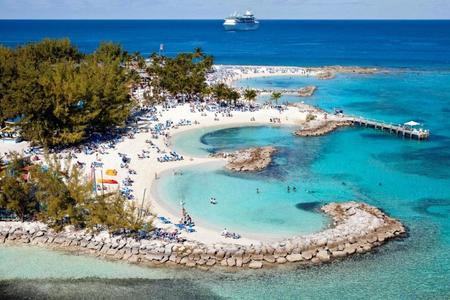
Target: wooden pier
{"x": 399, "y": 130}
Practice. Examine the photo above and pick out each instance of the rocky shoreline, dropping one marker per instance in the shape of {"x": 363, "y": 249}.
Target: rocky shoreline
{"x": 322, "y": 128}
{"x": 307, "y": 91}
{"x": 248, "y": 160}
{"x": 356, "y": 228}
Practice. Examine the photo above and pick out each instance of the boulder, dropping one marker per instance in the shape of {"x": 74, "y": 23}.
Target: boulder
{"x": 323, "y": 255}
{"x": 281, "y": 260}
{"x": 269, "y": 258}
{"x": 308, "y": 254}
{"x": 255, "y": 264}
{"x": 231, "y": 262}
{"x": 294, "y": 257}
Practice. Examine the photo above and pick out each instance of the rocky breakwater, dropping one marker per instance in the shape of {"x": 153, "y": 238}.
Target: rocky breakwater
{"x": 317, "y": 128}
{"x": 248, "y": 160}
{"x": 356, "y": 228}
{"x": 331, "y": 71}
{"x": 307, "y": 91}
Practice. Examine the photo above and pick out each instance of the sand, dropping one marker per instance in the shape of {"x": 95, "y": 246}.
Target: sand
{"x": 146, "y": 168}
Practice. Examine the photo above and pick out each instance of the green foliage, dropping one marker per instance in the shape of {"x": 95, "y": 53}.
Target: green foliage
{"x": 275, "y": 96}
{"x": 111, "y": 212}
{"x": 250, "y": 95}
{"x": 62, "y": 192}
{"x": 15, "y": 193}
{"x": 310, "y": 117}
{"x": 183, "y": 75}
{"x": 62, "y": 95}
{"x": 223, "y": 92}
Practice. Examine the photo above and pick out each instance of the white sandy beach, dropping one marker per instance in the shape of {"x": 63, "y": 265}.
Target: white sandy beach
{"x": 148, "y": 167}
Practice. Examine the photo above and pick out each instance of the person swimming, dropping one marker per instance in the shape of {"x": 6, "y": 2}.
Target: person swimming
{"x": 294, "y": 188}
{"x": 213, "y": 201}
{"x": 257, "y": 190}
{"x": 288, "y": 189}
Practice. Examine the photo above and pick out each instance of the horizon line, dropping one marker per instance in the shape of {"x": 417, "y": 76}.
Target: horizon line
{"x": 200, "y": 19}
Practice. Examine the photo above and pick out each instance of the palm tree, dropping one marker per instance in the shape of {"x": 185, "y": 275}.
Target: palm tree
{"x": 234, "y": 95}
{"x": 275, "y": 97}
{"x": 198, "y": 52}
{"x": 250, "y": 95}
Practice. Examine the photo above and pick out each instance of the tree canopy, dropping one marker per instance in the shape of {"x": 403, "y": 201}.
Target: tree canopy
{"x": 61, "y": 95}
{"x": 250, "y": 95}
{"x": 59, "y": 195}
{"x": 275, "y": 97}
{"x": 181, "y": 76}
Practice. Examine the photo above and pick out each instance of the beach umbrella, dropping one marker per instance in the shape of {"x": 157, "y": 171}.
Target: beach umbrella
{"x": 111, "y": 172}
{"x": 107, "y": 181}
{"x": 411, "y": 123}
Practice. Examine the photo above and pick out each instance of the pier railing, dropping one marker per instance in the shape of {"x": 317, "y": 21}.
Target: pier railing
{"x": 397, "y": 129}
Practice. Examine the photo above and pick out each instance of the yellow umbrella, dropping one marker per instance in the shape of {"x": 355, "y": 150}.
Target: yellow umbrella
{"x": 111, "y": 172}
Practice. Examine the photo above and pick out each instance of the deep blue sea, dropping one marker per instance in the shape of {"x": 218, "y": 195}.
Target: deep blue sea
{"x": 375, "y": 43}
{"x": 408, "y": 179}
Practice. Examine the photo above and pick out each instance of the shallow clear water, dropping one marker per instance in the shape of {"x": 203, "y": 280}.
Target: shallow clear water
{"x": 408, "y": 179}
{"x": 240, "y": 208}
{"x": 414, "y": 176}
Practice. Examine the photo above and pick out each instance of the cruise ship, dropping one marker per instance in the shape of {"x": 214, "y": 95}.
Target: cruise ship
{"x": 237, "y": 22}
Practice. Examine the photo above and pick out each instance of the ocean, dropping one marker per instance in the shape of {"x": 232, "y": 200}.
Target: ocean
{"x": 408, "y": 179}
{"x": 375, "y": 43}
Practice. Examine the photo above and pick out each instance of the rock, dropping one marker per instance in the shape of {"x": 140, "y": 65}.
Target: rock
{"x": 321, "y": 128}
{"x": 325, "y": 75}
{"x": 220, "y": 254}
{"x": 308, "y": 254}
{"x": 257, "y": 257}
{"x": 307, "y": 91}
{"x": 111, "y": 251}
{"x": 323, "y": 255}
{"x": 231, "y": 262}
{"x": 211, "y": 262}
{"x": 294, "y": 257}
{"x": 248, "y": 160}
{"x": 184, "y": 260}
{"x": 339, "y": 254}
{"x": 134, "y": 259}
{"x": 239, "y": 262}
{"x": 191, "y": 263}
{"x": 372, "y": 238}
{"x": 269, "y": 258}
{"x": 255, "y": 264}
{"x": 315, "y": 260}
{"x": 281, "y": 260}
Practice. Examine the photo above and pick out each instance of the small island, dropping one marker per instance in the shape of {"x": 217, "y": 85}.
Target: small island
{"x": 322, "y": 127}
{"x": 248, "y": 160}
{"x": 307, "y": 91}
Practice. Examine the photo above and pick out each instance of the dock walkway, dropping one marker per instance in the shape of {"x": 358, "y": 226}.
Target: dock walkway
{"x": 400, "y": 130}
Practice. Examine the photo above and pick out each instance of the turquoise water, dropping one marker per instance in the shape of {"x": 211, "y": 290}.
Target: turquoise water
{"x": 345, "y": 165}
{"x": 414, "y": 176}
{"x": 239, "y": 207}
{"x": 408, "y": 179}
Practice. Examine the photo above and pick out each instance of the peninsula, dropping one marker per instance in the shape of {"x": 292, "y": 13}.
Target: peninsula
{"x": 118, "y": 137}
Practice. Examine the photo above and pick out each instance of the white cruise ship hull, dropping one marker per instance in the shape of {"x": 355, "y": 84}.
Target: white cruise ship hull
{"x": 241, "y": 26}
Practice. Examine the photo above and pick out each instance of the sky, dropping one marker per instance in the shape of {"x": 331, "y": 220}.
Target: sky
{"x": 218, "y": 9}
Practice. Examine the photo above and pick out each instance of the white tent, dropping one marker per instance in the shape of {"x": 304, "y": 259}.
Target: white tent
{"x": 411, "y": 123}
